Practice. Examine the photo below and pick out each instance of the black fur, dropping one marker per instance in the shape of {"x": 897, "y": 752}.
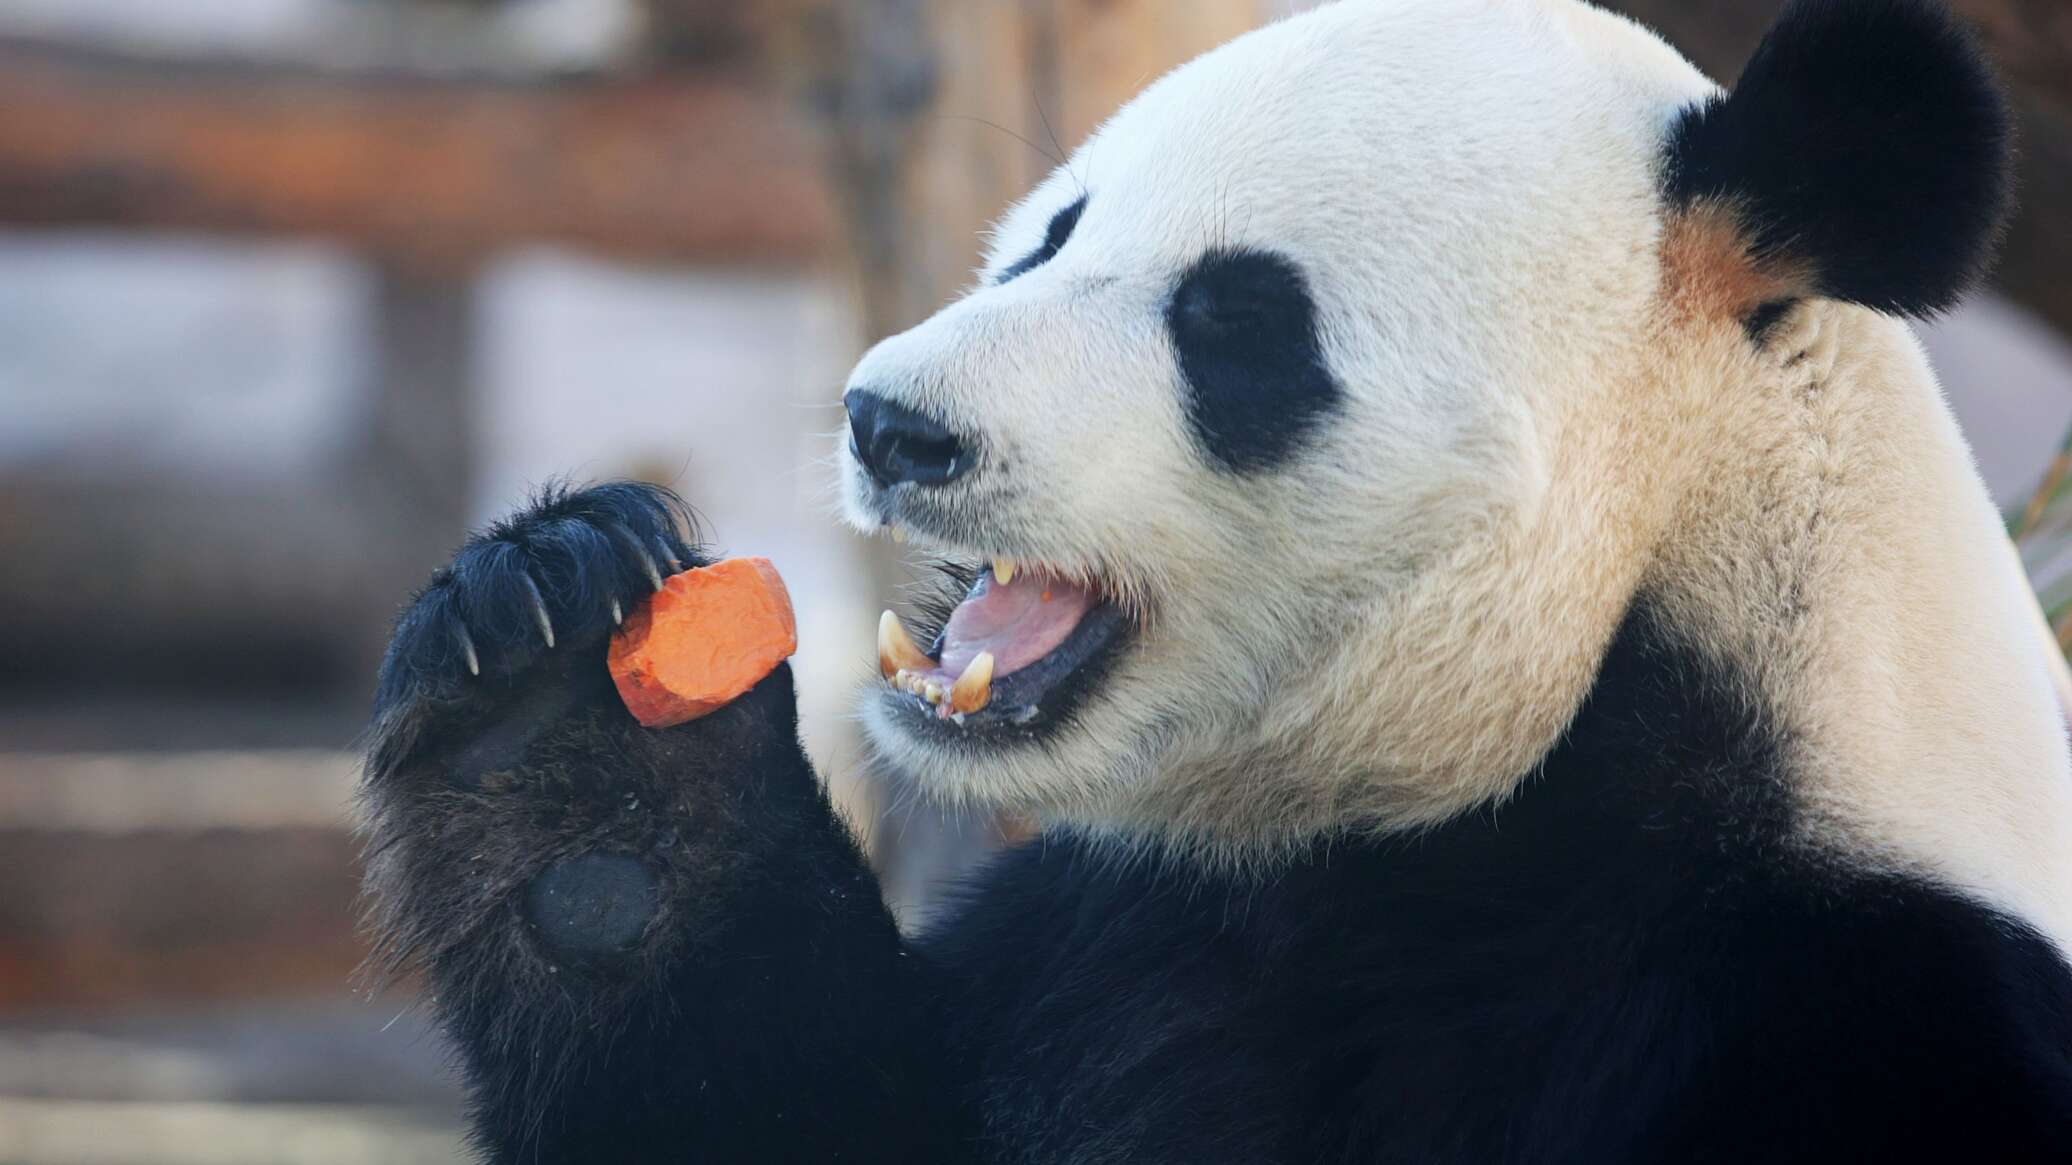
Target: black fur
{"x": 646, "y": 946}
{"x": 1244, "y": 328}
{"x": 1054, "y": 238}
{"x": 1631, "y": 960}
{"x": 1627, "y": 962}
{"x": 1762, "y": 323}
{"x": 1868, "y": 138}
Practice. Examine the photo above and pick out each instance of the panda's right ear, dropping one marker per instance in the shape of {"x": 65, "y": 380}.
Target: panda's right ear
{"x": 1865, "y": 155}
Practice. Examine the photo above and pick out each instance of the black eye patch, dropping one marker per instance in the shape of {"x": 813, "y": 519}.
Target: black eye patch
{"x": 1245, "y": 330}
{"x": 1054, "y": 236}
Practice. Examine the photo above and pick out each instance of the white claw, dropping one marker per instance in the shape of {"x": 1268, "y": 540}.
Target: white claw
{"x": 1003, "y": 570}
{"x": 539, "y": 611}
{"x": 647, "y": 560}
{"x": 974, "y": 689}
{"x": 669, "y": 556}
{"x": 896, "y": 650}
{"x": 467, "y": 649}
{"x": 618, "y": 615}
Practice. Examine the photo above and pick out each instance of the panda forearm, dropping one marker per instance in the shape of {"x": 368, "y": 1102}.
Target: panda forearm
{"x": 636, "y": 964}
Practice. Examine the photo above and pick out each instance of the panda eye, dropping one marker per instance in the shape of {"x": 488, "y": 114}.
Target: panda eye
{"x": 1054, "y": 237}
{"x": 1244, "y": 332}
{"x": 1241, "y": 291}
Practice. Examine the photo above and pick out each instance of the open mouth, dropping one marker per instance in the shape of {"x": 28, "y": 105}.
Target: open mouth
{"x": 1025, "y": 644}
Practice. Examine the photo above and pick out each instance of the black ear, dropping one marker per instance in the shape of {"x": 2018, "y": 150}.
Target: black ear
{"x": 1868, "y": 142}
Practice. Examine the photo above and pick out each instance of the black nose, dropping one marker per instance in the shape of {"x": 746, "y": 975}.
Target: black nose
{"x": 897, "y": 444}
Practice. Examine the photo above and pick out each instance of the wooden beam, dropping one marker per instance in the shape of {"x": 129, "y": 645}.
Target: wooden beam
{"x": 175, "y": 877}
{"x": 680, "y": 34}
{"x": 666, "y": 167}
{"x": 188, "y": 1132}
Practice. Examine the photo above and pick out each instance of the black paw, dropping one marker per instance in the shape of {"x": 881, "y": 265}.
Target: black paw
{"x": 550, "y": 581}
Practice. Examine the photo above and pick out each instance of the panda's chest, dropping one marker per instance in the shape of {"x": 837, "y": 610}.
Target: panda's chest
{"x": 1375, "y": 1000}
{"x": 1165, "y": 1045}
{"x": 1128, "y": 1018}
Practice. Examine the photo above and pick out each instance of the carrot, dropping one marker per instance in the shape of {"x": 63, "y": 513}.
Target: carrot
{"x": 702, "y": 641}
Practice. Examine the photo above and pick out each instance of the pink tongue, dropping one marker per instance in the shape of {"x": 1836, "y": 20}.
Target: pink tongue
{"x": 1019, "y": 623}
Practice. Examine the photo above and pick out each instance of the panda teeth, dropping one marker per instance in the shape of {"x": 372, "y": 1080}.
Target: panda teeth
{"x": 907, "y": 668}
{"x": 1004, "y": 570}
{"x": 974, "y": 688}
{"x": 896, "y": 650}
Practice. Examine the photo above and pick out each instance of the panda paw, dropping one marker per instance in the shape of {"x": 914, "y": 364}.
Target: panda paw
{"x": 546, "y": 584}
{"x": 505, "y": 782}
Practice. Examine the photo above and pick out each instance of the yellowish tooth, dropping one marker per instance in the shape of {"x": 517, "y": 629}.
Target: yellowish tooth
{"x": 899, "y": 535}
{"x": 974, "y": 689}
{"x": 896, "y": 650}
{"x": 1003, "y": 570}
{"x": 932, "y": 692}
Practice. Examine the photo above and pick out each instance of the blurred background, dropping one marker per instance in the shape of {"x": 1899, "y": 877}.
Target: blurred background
{"x": 292, "y": 292}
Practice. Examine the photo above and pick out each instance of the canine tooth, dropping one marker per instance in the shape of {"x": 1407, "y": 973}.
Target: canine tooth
{"x": 899, "y": 535}
{"x": 1003, "y": 570}
{"x": 896, "y": 650}
{"x": 974, "y": 689}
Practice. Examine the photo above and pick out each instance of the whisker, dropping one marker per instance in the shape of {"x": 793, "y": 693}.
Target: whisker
{"x": 1055, "y": 159}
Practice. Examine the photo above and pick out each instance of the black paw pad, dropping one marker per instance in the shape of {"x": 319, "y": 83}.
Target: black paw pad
{"x": 593, "y": 904}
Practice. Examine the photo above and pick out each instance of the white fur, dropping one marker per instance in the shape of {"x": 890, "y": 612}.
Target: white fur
{"x": 1545, "y": 413}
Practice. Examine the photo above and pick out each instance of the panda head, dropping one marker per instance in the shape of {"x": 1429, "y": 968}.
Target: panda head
{"x": 1310, "y": 431}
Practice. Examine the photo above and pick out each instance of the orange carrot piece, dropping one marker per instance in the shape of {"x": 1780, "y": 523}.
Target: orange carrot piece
{"x": 703, "y": 640}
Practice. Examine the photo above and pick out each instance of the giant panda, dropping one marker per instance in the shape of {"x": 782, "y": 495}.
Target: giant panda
{"x": 1454, "y": 541}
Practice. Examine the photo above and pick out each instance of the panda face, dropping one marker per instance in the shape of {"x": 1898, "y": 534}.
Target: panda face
{"x": 1283, "y": 352}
